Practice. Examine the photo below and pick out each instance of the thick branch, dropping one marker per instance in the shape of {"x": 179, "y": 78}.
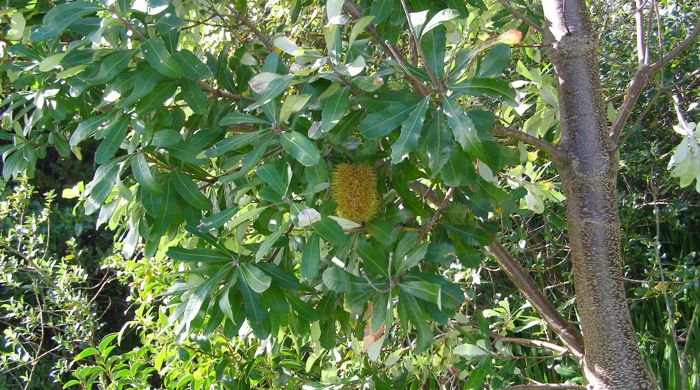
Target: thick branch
{"x": 530, "y": 343}
{"x": 569, "y": 335}
{"x": 253, "y": 28}
{"x": 521, "y": 16}
{"x": 371, "y": 30}
{"x": 538, "y": 143}
{"x": 640, "y": 80}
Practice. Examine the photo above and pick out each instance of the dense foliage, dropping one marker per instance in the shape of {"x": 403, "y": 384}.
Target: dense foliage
{"x": 302, "y": 194}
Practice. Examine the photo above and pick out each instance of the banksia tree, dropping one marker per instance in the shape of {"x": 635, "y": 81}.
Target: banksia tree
{"x": 354, "y": 189}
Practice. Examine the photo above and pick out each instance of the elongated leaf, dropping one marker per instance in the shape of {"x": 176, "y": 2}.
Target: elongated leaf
{"x": 237, "y": 118}
{"x": 202, "y": 292}
{"x": 463, "y": 128}
{"x": 60, "y": 17}
{"x": 330, "y": 230}
{"x": 270, "y": 241}
{"x": 292, "y": 104}
{"x": 254, "y": 309}
{"x": 273, "y": 178}
{"x": 334, "y": 109}
{"x": 198, "y": 255}
{"x": 160, "y": 59}
{"x": 189, "y": 191}
{"x": 311, "y": 257}
{"x": 280, "y": 277}
{"x": 381, "y": 9}
{"x": 438, "y": 142}
{"x": 304, "y": 309}
{"x": 426, "y": 291}
{"x": 87, "y": 128}
{"x": 410, "y": 132}
{"x": 233, "y": 143}
{"x": 459, "y": 170}
{"x": 254, "y": 277}
{"x": 110, "y": 67}
{"x": 192, "y": 67}
{"x": 194, "y": 97}
{"x": 497, "y": 88}
{"x": 145, "y": 81}
{"x": 110, "y": 144}
{"x": 495, "y": 61}
{"x": 143, "y": 175}
{"x": 418, "y": 318}
{"x": 412, "y": 258}
{"x": 359, "y": 27}
{"x": 219, "y": 219}
{"x": 379, "y": 124}
{"x": 440, "y": 18}
{"x": 300, "y": 147}
{"x": 433, "y": 45}
{"x": 274, "y": 89}
{"x": 341, "y": 281}
{"x": 373, "y": 258}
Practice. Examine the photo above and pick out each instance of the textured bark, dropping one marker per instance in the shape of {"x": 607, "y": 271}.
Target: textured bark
{"x": 588, "y": 171}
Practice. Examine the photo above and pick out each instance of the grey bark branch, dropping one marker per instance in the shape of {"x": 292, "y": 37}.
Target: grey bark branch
{"x": 530, "y": 343}
{"x": 612, "y": 359}
{"x": 640, "y": 80}
{"x": 521, "y": 16}
{"x": 569, "y": 335}
{"x": 538, "y": 143}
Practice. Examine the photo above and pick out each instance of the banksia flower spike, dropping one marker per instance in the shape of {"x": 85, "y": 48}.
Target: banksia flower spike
{"x": 354, "y": 189}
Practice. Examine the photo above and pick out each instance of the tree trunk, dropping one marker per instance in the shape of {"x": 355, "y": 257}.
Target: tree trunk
{"x": 588, "y": 172}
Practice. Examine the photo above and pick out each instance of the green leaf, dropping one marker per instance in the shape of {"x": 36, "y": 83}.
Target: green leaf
{"x": 225, "y": 299}
{"x": 111, "y": 66}
{"x": 145, "y": 81}
{"x": 439, "y": 18}
{"x": 496, "y": 88}
{"x": 246, "y": 216}
{"x": 469, "y": 233}
{"x": 495, "y": 61}
{"x": 110, "y": 144}
{"x": 198, "y": 255}
{"x": 463, "y": 128}
{"x": 202, "y": 292}
{"x": 254, "y": 308}
{"x": 218, "y": 220}
{"x": 311, "y": 257}
{"x": 280, "y": 277}
{"x": 237, "y": 118}
{"x": 415, "y": 314}
{"x": 292, "y": 104}
{"x": 381, "y": 9}
{"x": 341, "y": 281}
{"x": 438, "y": 142}
{"x": 87, "y": 128}
{"x": 459, "y": 170}
{"x": 334, "y": 109}
{"x": 359, "y": 27}
{"x": 17, "y": 25}
{"x": 143, "y": 175}
{"x": 373, "y": 258}
{"x": 60, "y": 17}
{"x": 415, "y": 256}
{"x": 380, "y": 124}
{"x": 87, "y": 352}
{"x": 192, "y": 67}
{"x": 269, "y": 242}
{"x": 194, "y": 97}
{"x": 160, "y": 59}
{"x": 304, "y": 309}
{"x": 410, "y": 132}
{"x": 330, "y": 230}
{"x": 254, "y": 277}
{"x": 234, "y": 142}
{"x": 426, "y": 291}
{"x": 165, "y": 138}
{"x": 274, "y": 89}
{"x": 272, "y": 177}
{"x": 433, "y": 44}
{"x": 189, "y": 191}
{"x": 300, "y": 147}
{"x": 469, "y": 350}
{"x": 381, "y": 230}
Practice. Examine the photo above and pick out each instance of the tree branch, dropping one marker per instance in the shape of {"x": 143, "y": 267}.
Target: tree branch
{"x": 530, "y": 343}
{"x": 569, "y": 335}
{"x": 545, "y": 146}
{"x": 522, "y": 16}
{"x": 640, "y": 80}
{"x": 436, "y": 216}
{"x": 253, "y": 28}
{"x": 371, "y": 30}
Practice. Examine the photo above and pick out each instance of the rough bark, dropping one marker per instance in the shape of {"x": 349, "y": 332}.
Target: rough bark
{"x": 588, "y": 171}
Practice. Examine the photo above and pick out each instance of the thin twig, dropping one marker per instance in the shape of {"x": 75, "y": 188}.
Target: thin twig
{"x": 530, "y": 343}
{"x": 253, "y": 28}
{"x": 640, "y": 80}
{"x": 543, "y": 145}
{"x": 419, "y": 48}
{"x": 521, "y": 16}
{"x": 436, "y": 216}
{"x": 569, "y": 335}
{"x": 224, "y": 94}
